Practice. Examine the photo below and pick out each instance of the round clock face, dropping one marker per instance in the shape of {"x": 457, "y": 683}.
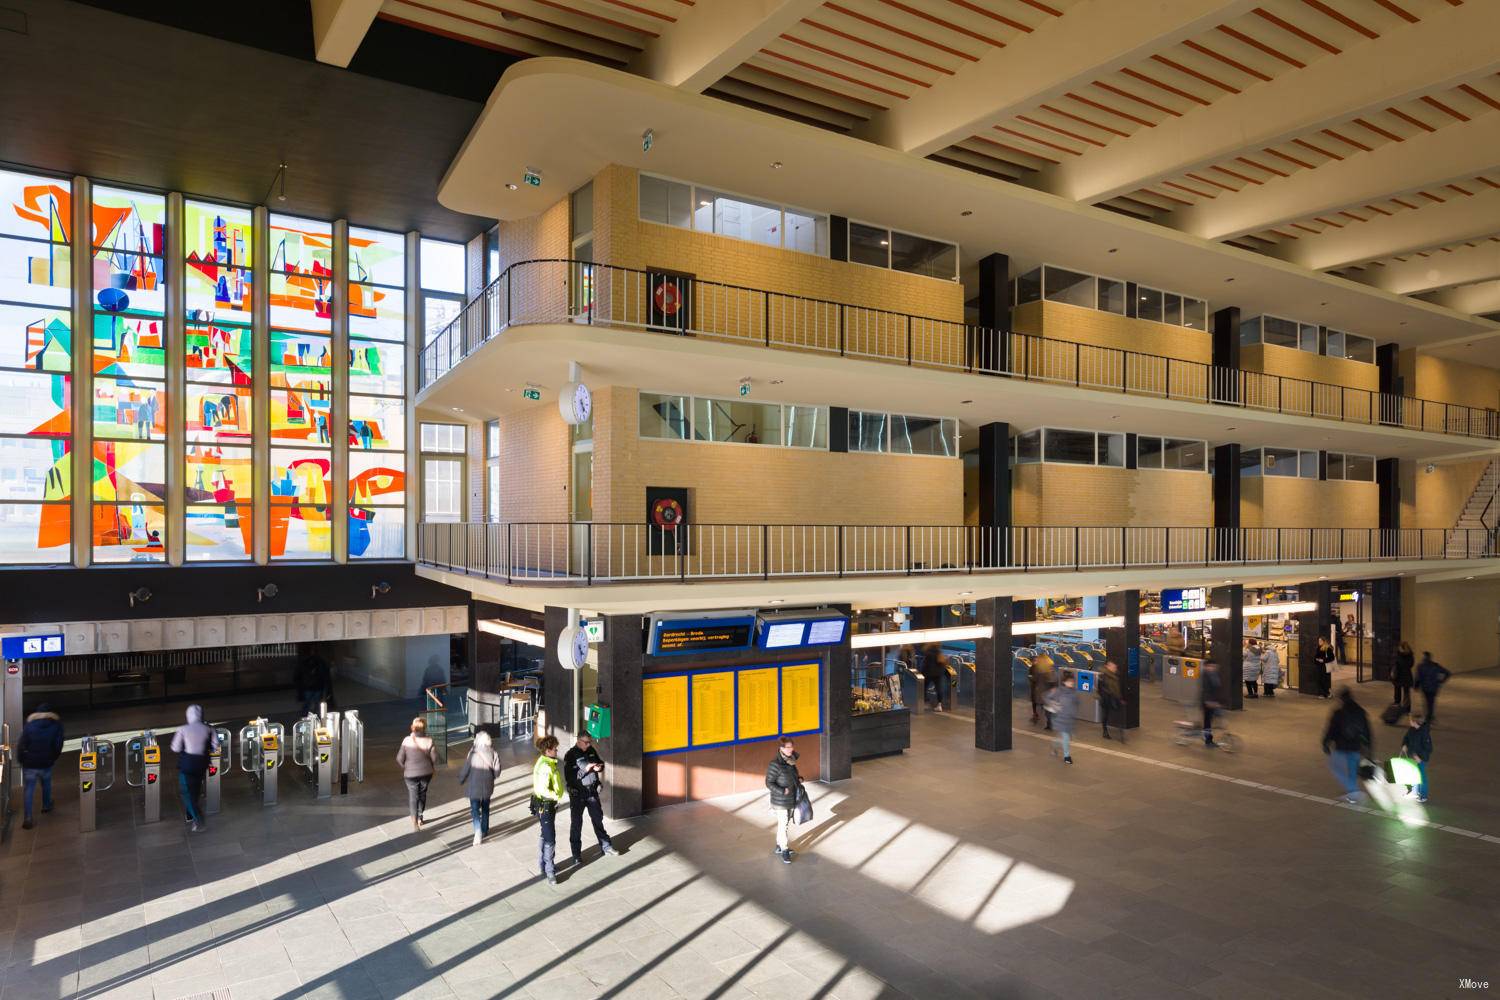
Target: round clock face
{"x": 573, "y": 648}
{"x": 580, "y": 647}
{"x": 583, "y": 402}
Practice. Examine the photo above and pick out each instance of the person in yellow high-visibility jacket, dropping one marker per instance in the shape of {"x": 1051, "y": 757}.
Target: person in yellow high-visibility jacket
{"x": 546, "y": 793}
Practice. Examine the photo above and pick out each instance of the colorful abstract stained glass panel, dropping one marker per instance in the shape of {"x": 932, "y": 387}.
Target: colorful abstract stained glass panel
{"x": 300, "y": 531}
{"x": 376, "y": 423}
{"x": 302, "y": 302}
{"x": 219, "y": 413}
{"x": 301, "y": 475}
{"x": 35, "y": 338}
{"x": 301, "y": 246}
{"x": 129, "y": 346}
{"x": 129, "y": 221}
{"x": 301, "y": 355}
{"x": 35, "y": 533}
{"x": 37, "y": 469}
{"x": 377, "y": 257}
{"x": 36, "y": 403}
{"x": 221, "y": 534}
{"x": 300, "y": 417}
{"x": 34, "y": 206}
{"x": 129, "y": 283}
{"x": 216, "y": 234}
{"x": 377, "y": 368}
{"x": 376, "y": 479}
{"x": 378, "y": 533}
{"x": 213, "y": 291}
{"x": 35, "y": 272}
{"x": 129, "y": 410}
{"x": 220, "y": 475}
{"x": 129, "y": 472}
{"x": 377, "y": 313}
{"x": 218, "y": 352}
{"x": 134, "y": 532}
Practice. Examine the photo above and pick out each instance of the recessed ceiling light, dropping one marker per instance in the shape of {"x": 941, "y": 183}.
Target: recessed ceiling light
{"x": 970, "y": 593}
{"x": 1114, "y": 249}
{"x": 1468, "y": 578}
{"x": 510, "y": 186}
{"x": 703, "y": 204}
{"x": 885, "y": 243}
{"x": 1229, "y": 428}
{"x": 777, "y": 381}
{"x": 1322, "y": 303}
{"x": 1322, "y": 578}
{"x": 1228, "y": 280}
{"x": 966, "y": 212}
{"x": 778, "y": 600}
{"x": 776, "y": 165}
{"x": 965, "y": 402}
{"x": 1228, "y": 581}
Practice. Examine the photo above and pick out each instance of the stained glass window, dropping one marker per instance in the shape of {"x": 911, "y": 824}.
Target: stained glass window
{"x": 36, "y": 360}
{"x": 377, "y": 401}
{"x": 301, "y": 474}
{"x": 217, "y": 244}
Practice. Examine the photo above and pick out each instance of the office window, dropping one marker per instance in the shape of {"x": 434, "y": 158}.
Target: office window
{"x": 1307, "y": 464}
{"x": 664, "y": 416}
{"x": 1028, "y": 287}
{"x": 868, "y": 245}
{"x": 923, "y": 436}
{"x": 1069, "y": 447}
{"x": 1280, "y": 462}
{"x": 1171, "y": 309}
{"x": 667, "y": 202}
{"x": 1335, "y": 465}
{"x": 1278, "y": 332}
{"x": 920, "y": 255}
{"x": 806, "y": 232}
{"x": 1148, "y": 452}
{"x": 1070, "y": 287}
{"x": 868, "y": 431}
{"x": 1357, "y": 348}
{"x": 442, "y": 279}
{"x": 805, "y": 427}
{"x": 1307, "y": 337}
{"x": 1359, "y": 468}
{"x": 301, "y": 369}
{"x": 1184, "y": 455}
{"x": 492, "y": 470}
{"x": 1110, "y": 450}
{"x": 443, "y": 477}
{"x": 675, "y": 203}
{"x": 492, "y": 255}
{"x": 741, "y": 218}
{"x": 727, "y": 420}
{"x": 1148, "y": 304}
{"x": 35, "y": 369}
{"x": 1111, "y": 296}
{"x": 1028, "y": 447}
{"x": 1250, "y": 331}
{"x": 1195, "y": 314}
{"x": 377, "y": 405}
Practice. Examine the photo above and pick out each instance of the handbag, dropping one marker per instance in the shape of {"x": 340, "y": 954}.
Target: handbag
{"x": 1404, "y": 771}
{"x": 804, "y": 809}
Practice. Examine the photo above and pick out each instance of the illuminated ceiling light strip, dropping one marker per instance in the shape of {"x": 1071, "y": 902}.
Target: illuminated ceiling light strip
{"x": 1282, "y": 608}
{"x": 515, "y": 633}
{"x": 1165, "y": 617}
{"x": 872, "y": 640}
{"x": 1066, "y": 625}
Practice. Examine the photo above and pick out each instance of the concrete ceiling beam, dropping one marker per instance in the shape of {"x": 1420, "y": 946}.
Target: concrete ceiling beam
{"x": 339, "y": 26}
{"x": 710, "y": 39}
{"x": 1479, "y": 299}
{"x": 1454, "y": 221}
{"x": 1460, "y": 266}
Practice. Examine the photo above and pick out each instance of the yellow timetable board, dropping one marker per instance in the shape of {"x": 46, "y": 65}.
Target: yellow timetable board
{"x": 713, "y": 708}
{"x": 800, "y": 705}
{"x": 759, "y": 698}
{"x": 664, "y": 713}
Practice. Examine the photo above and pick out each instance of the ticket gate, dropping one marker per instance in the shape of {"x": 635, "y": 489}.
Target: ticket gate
{"x": 96, "y": 773}
{"x": 215, "y": 772}
{"x": 313, "y": 747}
{"x": 351, "y": 750}
{"x": 143, "y": 771}
{"x": 261, "y": 755}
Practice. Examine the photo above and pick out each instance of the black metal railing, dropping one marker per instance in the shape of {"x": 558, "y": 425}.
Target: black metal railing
{"x": 569, "y": 291}
{"x": 600, "y": 552}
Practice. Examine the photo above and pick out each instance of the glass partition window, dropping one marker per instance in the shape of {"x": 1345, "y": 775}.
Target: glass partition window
{"x": 442, "y": 281}
{"x": 1111, "y": 296}
{"x": 879, "y": 246}
{"x": 1028, "y": 447}
{"x": 1088, "y": 291}
{"x": 1178, "y": 454}
{"x": 1280, "y": 332}
{"x": 1351, "y": 468}
{"x": 1284, "y": 462}
{"x": 377, "y": 403}
{"x": 736, "y": 421}
{"x": 665, "y": 416}
{"x": 685, "y": 206}
{"x": 300, "y": 479}
{"x": 1068, "y": 447}
{"x": 1070, "y": 288}
{"x": 868, "y": 431}
{"x": 443, "y": 449}
{"x": 923, "y": 436}
{"x": 492, "y": 469}
{"x": 36, "y": 362}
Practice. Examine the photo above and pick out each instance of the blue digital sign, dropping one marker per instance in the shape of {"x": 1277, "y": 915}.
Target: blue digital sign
{"x": 803, "y": 632}
{"x": 679, "y": 636}
{"x": 30, "y": 647}
{"x": 1193, "y": 599}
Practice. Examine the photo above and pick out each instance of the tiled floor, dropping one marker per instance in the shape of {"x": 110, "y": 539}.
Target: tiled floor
{"x": 942, "y": 873}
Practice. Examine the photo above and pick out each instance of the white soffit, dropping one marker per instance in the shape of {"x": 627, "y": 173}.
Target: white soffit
{"x": 569, "y": 119}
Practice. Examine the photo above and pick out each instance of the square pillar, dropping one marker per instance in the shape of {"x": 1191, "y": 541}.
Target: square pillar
{"x": 1311, "y": 625}
{"x": 1022, "y": 611}
{"x": 1388, "y": 489}
{"x": 1123, "y": 646}
{"x": 992, "y": 677}
{"x": 1225, "y": 324}
{"x": 1385, "y": 627}
{"x": 994, "y": 495}
{"x": 834, "y": 743}
{"x": 1228, "y": 642}
{"x": 989, "y": 343}
{"x": 1226, "y": 487}
{"x": 621, "y": 658}
{"x": 557, "y": 681}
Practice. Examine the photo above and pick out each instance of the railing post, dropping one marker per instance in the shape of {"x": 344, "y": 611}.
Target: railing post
{"x": 908, "y": 550}
{"x": 839, "y": 557}
{"x": 1278, "y": 393}
{"x": 765, "y": 299}
{"x": 908, "y": 338}
{"x": 484, "y": 548}
{"x": 765, "y": 552}
{"x": 1124, "y": 371}
{"x": 842, "y": 309}
{"x": 588, "y": 553}
{"x": 1123, "y": 561}
{"x": 1341, "y": 545}
{"x": 1076, "y": 556}
{"x": 510, "y": 550}
{"x": 1167, "y": 381}
{"x": 1077, "y": 363}
{"x": 677, "y": 547}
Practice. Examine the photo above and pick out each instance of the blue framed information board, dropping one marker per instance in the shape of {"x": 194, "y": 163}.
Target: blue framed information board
{"x": 715, "y": 707}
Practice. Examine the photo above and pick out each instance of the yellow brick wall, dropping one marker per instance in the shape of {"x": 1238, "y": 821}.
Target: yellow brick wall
{"x": 1061, "y": 321}
{"x": 1284, "y": 502}
{"x": 1445, "y": 381}
{"x": 1167, "y": 359}
{"x": 1454, "y": 620}
{"x": 534, "y": 457}
{"x": 1044, "y": 494}
{"x": 1435, "y": 499}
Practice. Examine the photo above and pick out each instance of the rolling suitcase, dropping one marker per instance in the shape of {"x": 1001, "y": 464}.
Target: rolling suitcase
{"x": 1393, "y": 713}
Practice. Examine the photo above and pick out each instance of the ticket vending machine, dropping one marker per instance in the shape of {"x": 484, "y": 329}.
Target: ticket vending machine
{"x": 313, "y": 747}
{"x": 215, "y": 772}
{"x": 96, "y": 773}
{"x": 143, "y": 771}
{"x": 351, "y": 742}
{"x": 261, "y": 755}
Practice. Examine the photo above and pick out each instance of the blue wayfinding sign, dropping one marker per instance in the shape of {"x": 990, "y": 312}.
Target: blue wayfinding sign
{"x": 30, "y": 647}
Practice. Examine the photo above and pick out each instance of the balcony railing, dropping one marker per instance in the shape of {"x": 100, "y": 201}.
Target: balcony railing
{"x": 565, "y": 291}
{"x": 598, "y": 552}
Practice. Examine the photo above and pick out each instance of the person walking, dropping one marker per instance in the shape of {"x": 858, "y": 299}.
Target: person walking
{"x": 1063, "y": 706}
{"x": 192, "y": 744}
{"x": 785, "y": 784}
{"x": 1402, "y": 677}
{"x": 1431, "y": 675}
{"x": 1323, "y": 657}
{"x": 1251, "y": 667}
{"x": 935, "y": 672}
{"x": 417, "y": 759}
{"x": 546, "y": 792}
{"x": 37, "y": 750}
{"x": 1211, "y": 694}
{"x": 1039, "y": 676}
{"x": 1346, "y": 741}
{"x": 1417, "y": 744}
{"x": 480, "y": 769}
{"x": 1270, "y": 671}
{"x": 583, "y": 773}
{"x": 1111, "y": 698}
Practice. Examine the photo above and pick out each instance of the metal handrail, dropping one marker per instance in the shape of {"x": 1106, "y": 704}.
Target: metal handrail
{"x": 548, "y": 552}
{"x": 557, "y": 290}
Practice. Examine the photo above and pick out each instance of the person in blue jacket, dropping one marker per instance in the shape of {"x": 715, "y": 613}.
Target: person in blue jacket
{"x": 1417, "y": 744}
{"x": 40, "y": 745}
{"x": 1431, "y": 675}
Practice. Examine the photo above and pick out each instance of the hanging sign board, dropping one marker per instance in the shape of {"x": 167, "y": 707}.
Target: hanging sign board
{"x": 711, "y": 632}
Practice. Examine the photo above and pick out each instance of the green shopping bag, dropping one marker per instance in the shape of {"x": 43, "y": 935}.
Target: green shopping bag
{"x": 1404, "y": 771}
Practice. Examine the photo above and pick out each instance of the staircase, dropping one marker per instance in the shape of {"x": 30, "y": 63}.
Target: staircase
{"x": 1481, "y": 511}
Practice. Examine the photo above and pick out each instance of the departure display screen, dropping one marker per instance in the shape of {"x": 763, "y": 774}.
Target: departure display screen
{"x": 783, "y": 635}
{"x": 673, "y": 637}
{"x": 827, "y": 631}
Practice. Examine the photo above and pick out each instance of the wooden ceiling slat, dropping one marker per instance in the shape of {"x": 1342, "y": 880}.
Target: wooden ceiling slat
{"x": 1169, "y": 197}
{"x": 1479, "y": 95}
{"x": 876, "y": 46}
{"x": 1221, "y": 57}
{"x": 1378, "y": 130}
{"x": 1328, "y": 222}
{"x": 1404, "y": 203}
{"x": 815, "y": 68}
{"x": 1292, "y": 29}
{"x": 949, "y": 159}
{"x": 1397, "y": 112}
{"x": 1486, "y": 181}
{"x": 992, "y": 15}
{"x": 592, "y": 16}
{"x": 1014, "y": 149}
{"x": 1346, "y": 140}
{"x": 1188, "y": 70}
{"x": 1307, "y": 229}
{"x": 646, "y": 11}
{"x": 1284, "y": 235}
{"x": 1461, "y": 190}
{"x": 1434, "y": 102}
{"x": 1348, "y": 214}
{"x": 1261, "y": 166}
{"x": 501, "y": 29}
{"x": 1139, "y": 100}
{"x": 913, "y": 36}
{"x": 1189, "y": 190}
{"x": 1039, "y": 142}
{"x": 1060, "y": 131}
{"x": 1377, "y": 208}
{"x": 1079, "y": 118}
{"x": 835, "y": 54}
{"x": 1316, "y": 149}
{"x": 1289, "y": 158}
{"x": 1138, "y": 75}
{"x": 1053, "y": 11}
{"x": 1256, "y": 43}
{"x": 1235, "y": 173}
{"x": 1399, "y": 11}
{"x": 1341, "y": 18}
{"x": 766, "y": 70}
{"x": 1114, "y": 111}
{"x": 957, "y": 29}
{"x": 1210, "y": 180}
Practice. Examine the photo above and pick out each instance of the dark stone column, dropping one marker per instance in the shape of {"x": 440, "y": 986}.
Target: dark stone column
{"x": 1227, "y": 501}
{"x": 621, "y": 656}
{"x": 989, "y": 344}
{"x": 838, "y": 237}
{"x": 1132, "y": 300}
{"x": 1022, "y": 611}
{"x": 992, "y": 679}
{"x": 557, "y": 683}
{"x": 1311, "y": 625}
{"x": 838, "y": 429}
{"x": 994, "y": 495}
{"x": 1228, "y": 641}
{"x": 1385, "y": 627}
{"x": 837, "y": 675}
{"x": 1388, "y": 486}
{"x": 1392, "y": 383}
{"x": 1225, "y": 324}
{"x": 1123, "y": 645}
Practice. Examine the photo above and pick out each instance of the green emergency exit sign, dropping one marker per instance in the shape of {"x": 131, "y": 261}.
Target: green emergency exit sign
{"x": 530, "y": 393}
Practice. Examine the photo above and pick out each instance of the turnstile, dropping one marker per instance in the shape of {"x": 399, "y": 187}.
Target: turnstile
{"x": 261, "y": 755}
{"x": 313, "y": 748}
{"x": 96, "y": 773}
{"x": 143, "y": 771}
{"x": 351, "y": 750}
{"x": 215, "y": 772}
